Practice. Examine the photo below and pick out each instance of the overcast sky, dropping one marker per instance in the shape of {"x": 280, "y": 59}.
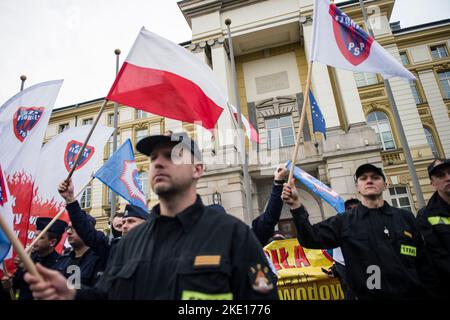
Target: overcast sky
{"x": 75, "y": 40}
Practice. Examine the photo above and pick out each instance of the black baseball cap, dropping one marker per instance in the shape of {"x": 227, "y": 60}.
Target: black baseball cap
{"x": 146, "y": 145}
{"x": 135, "y": 211}
{"x": 436, "y": 165}
{"x": 58, "y": 227}
{"x": 367, "y": 167}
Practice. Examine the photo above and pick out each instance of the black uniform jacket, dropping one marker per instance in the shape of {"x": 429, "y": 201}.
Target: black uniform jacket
{"x": 383, "y": 241}
{"x": 434, "y": 223}
{"x": 199, "y": 254}
{"x": 88, "y": 263}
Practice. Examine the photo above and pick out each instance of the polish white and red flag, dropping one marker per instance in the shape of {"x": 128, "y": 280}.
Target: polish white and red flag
{"x": 339, "y": 42}
{"x": 23, "y": 121}
{"x": 163, "y": 78}
{"x": 250, "y": 130}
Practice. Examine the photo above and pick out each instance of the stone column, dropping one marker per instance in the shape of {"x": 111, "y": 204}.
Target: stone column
{"x": 437, "y": 107}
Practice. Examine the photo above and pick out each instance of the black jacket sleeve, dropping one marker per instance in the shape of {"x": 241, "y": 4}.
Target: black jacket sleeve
{"x": 90, "y": 293}
{"x": 322, "y": 235}
{"x": 248, "y": 263}
{"x": 264, "y": 225}
{"x": 436, "y": 250}
{"x": 96, "y": 240}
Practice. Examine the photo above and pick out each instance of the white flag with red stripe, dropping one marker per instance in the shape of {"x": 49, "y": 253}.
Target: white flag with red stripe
{"x": 56, "y": 160}
{"x": 23, "y": 121}
{"x": 250, "y": 130}
{"x": 163, "y": 78}
{"x": 339, "y": 42}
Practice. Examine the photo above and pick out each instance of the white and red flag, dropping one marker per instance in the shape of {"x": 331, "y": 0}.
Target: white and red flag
{"x": 339, "y": 42}
{"x": 163, "y": 78}
{"x": 56, "y": 160}
{"x": 7, "y": 215}
{"x": 250, "y": 130}
{"x": 23, "y": 121}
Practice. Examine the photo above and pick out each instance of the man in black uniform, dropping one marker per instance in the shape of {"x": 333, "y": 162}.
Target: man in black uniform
{"x": 43, "y": 253}
{"x": 382, "y": 247}
{"x": 100, "y": 244}
{"x": 434, "y": 223}
{"x": 185, "y": 250}
{"x": 81, "y": 261}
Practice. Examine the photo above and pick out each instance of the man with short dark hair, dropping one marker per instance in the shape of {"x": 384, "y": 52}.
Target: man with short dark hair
{"x": 381, "y": 244}
{"x": 185, "y": 250}
{"x": 434, "y": 223}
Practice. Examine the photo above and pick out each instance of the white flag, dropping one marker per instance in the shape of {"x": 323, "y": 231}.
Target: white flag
{"x": 7, "y": 215}
{"x": 339, "y": 42}
{"x": 56, "y": 160}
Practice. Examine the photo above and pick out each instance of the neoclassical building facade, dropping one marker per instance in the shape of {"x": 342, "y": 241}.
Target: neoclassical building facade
{"x": 271, "y": 43}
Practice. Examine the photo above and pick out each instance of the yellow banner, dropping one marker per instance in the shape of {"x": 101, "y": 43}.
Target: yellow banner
{"x": 300, "y": 275}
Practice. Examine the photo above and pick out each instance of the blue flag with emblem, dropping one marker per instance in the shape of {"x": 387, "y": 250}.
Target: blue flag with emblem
{"x": 319, "y": 124}
{"x": 319, "y": 188}
{"x": 120, "y": 174}
{"x": 7, "y": 215}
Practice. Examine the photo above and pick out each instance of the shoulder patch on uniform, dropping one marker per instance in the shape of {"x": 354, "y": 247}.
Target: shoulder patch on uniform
{"x": 204, "y": 261}
{"x": 408, "y": 234}
{"x": 259, "y": 278}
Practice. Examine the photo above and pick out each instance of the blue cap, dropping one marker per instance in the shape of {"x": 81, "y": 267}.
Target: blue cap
{"x": 134, "y": 211}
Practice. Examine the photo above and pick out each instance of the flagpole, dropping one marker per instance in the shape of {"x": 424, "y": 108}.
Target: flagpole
{"x": 116, "y": 120}
{"x": 17, "y": 245}
{"x": 302, "y": 120}
{"x": 398, "y": 123}
{"x": 247, "y": 186}
{"x": 87, "y": 139}
{"x": 22, "y": 81}
{"x": 56, "y": 217}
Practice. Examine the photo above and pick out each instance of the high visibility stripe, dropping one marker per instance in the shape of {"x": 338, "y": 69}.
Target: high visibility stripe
{"x": 408, "y": 250}
{"x": 438, "y": 220}
{"x": 194, "y": 295}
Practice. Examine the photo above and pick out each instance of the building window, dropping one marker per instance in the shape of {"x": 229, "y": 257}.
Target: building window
{"x": 415, "y": 92}
{"x": 380, "y": 123}
{"x": 111, "y": 118}
{"x": 88, "y": 121}
{"x": 86, "y": 197}
{"x": 439, "y": 51}
{"x": 140, "y": 114}
{"x": 444, "y": 78}
{"x": 109, "y": 195}
{"x": 404, "y": 58}
{"x": 63, "y": 127}
{"x": 141, "y": 133}
{"x": 143, "y": 181}
{"x": 365, "y": 79}
{"x": 400, "y": 197}
{"x": 111, "y": 144}
{"x": 280, "y": 132}
{"x": 431, "y": 142}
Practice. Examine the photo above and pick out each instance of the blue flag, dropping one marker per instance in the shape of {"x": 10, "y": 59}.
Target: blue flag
{"x": 319, "y": 124}
{"x": 120, "y": 174}
{"x": 319, "y": 188}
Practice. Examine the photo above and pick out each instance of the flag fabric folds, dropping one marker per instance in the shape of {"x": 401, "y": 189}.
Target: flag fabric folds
{"x": 318, "y": 121}
{"x": 7, "y": 215}
{"x": 250, "y": 131}
{"x": 319, "y": 188}
{"x": 163, "y": 78}
{"x": 121, "y": 175}
{"x": 339, "y": 42}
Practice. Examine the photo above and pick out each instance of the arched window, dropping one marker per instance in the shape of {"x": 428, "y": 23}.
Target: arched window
{"x": 380, "y": 123}
{"x": 143, "y": 180}
{"x": 431, "y": 142}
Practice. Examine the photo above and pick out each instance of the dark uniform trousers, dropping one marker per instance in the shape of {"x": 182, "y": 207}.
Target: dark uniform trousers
{"x": 434, "y": 223}
{"x": 199, "y": 254}
{"x": 19, "y": 283}
{"x": 383, "y": 250}
{"x": 88, "y": 264}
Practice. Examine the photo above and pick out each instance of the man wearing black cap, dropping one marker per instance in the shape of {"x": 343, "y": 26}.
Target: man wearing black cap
{"x": 81, "y": 265}
{"x": 43, "y": 253}
{"x": 184, "y": 250}
{"x": 434, "y": 223}
{"x": 93, "y": 238}
{"x": 382, "y": 247}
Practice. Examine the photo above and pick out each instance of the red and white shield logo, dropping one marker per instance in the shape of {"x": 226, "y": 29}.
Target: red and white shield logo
{"x": 71, "y": 153}
{"x": 353, "y": 42}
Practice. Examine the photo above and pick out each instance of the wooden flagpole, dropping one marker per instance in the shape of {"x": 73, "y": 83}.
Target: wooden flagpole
{"x": 17, "y": 245}
{"x": 56, "y": 217}
{"x": 302, "y": 121}
{"x": 87, "y": 139}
